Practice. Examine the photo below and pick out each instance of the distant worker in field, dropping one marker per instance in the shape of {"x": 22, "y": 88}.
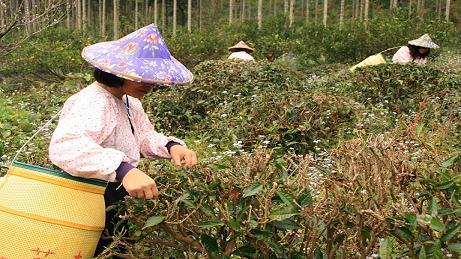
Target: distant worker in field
{"x": 241, "y": 51}
{"x": 415, "y": 51}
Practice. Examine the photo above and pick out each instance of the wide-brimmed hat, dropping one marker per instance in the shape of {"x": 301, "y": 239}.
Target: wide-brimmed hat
{"x": 241, "y": 45}
{"x": 424, "y": 41}
{"x": 140, "y": 56}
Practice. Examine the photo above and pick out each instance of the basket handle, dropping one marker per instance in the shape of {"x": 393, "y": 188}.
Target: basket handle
{"x": 36, "y": 132}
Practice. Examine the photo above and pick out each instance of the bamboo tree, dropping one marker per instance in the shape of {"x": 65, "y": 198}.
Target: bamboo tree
{"x": 285, "y": 7}
{"x": 89, "y": 15}
{"x": 163, "y": 14}
{"x": 79, "y": 14}
{"x": 189, "y": 16}
{"x": 316, "y": 10}
{"x": 27, "y": 16}
{"x": 200, "y": 14}
{"x": 341, "y": 15}
{"x": 116, "y": 18}
{"x": 146, "y": 12}
{"x": 447, "y": 11}
{"x": 291, "y": 16}
{"x": 103, "y": 18}
{"x": 439, "y": 10}
{"x": 175, "y": 7}
{"x": 422, "y": 9}
{"x": 231, "y": 8}
{"x": 155, "y": 11}
{"x": 307, "y": 11}
{"x": 409, "y": 8}
{"x": 2, "y": 14}
{"x": 361, "y": 2}
{"x": 260, "y": 14}
{"x": 84, "y": 14}
{"x": 325, "y": 12}
{"x": 365, "y": 14}
{"x": 136, "y": 14}
{"x": 242, "y": 15}
{"x": 33, "y": 9}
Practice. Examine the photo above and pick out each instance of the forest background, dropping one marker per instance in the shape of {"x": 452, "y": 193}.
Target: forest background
{"x": 299, "y": 157}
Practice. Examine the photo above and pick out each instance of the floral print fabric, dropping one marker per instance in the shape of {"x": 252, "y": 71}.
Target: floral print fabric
{"x": 141, "y": 56}
{"x": 94, "y": 135}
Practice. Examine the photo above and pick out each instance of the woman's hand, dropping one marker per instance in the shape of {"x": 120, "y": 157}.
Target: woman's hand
{"x": 139, "y": 185}
{"x": 180, "y": 154}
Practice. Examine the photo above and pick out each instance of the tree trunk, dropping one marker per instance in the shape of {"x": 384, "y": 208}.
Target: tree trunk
{"x": 89, "y": 16}
{"x": 285, "y": 7}
{"x": 83, "y": 14}
{"x": 275, "y": 7}
{"x": 33, "y": 10}
{"x": 447, "y": 11}
{"x": 391, "y": 4}
{"x": 325, "y": 12}
{"x": 353, "y": 9}
{"x": 147, "y": 19}
{"x": 136, "y": 9}
{"x": 189, "y": 16}
{"x": 365, "y": 14}
{"x": 307, "y": 11}
{"x": 27, "y": 16}
{"x": 155, "y": 12}
{"x": 231, "y": 8}
{"x": 175, "y": 7}
{"x": 396, "y": 2}
{"x": 116, "y": 18}
{"x": 418, "y": 8}
{"x": 260, "y": 14}
{"x": 242, "y": 15}
{"x": 291, "y": 17}
{"x": 163, "y": 15}
{"x": 79, "y": 14}
{"x": 439, "y": 10}
{"x": 341, "y": 15}
{"x": 99, "y": 14}
{"x": 422, "y": 9}
{"x": 200, "y": 14}
{"x": 2, "y": 15}
{"x": 361, "y": 9}
{"x": 357, "y": 8}
{"x": 103, "y": 17}
{"x": 409, "y": 8}
{"x": 316, "y": 10}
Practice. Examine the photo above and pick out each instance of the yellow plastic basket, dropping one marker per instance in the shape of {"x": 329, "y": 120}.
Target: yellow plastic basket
{"x": 370, "y": 61}
{"x": 48, "y": 213}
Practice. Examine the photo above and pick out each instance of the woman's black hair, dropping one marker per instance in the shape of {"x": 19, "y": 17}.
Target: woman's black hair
{"x": 108, "y": 79}
{"x": 414, "y": 51}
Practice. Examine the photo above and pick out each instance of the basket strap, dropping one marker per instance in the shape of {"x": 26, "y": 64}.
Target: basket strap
{"x": 35, "y": 134}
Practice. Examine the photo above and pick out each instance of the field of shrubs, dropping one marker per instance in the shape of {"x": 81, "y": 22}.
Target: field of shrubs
{"x": 297, "y": 160}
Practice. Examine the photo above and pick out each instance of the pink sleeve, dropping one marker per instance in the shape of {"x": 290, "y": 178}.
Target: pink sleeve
{"x": 152, "y": 144}
{"x": 76, "y": 147}
{"x": 402, "y": 56}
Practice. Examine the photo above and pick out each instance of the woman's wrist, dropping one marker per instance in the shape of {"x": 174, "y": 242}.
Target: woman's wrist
{"x": 122, "y": 170}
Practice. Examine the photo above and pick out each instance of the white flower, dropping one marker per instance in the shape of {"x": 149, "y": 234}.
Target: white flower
{"x": 266, "y": 142}
{"x": 223, "y": 115}
{"x": 211, "y": 145}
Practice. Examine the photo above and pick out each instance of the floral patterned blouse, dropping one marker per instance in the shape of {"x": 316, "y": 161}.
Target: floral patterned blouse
{"x": 94, "y": 135}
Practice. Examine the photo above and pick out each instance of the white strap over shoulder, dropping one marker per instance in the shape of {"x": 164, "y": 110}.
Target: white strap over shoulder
{"x": 36, "y": 132}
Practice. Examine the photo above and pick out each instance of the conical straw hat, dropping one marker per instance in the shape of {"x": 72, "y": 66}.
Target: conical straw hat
{"x": 241, "y": 45}
{"x": 141, "y": 56}
{"x": 424, "y": 41}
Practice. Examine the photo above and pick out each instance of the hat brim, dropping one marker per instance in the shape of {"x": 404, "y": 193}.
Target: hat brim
{"x": 163, "y": 72}
{"x": 423, "y": 44}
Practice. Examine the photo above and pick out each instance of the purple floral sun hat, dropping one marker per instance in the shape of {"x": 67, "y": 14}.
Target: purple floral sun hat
{"x": 140, "y": 56}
